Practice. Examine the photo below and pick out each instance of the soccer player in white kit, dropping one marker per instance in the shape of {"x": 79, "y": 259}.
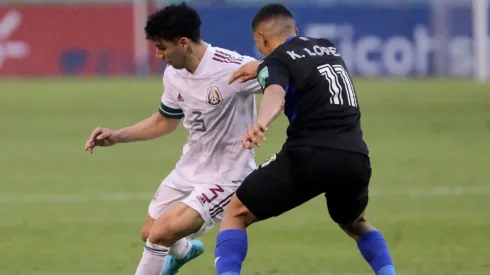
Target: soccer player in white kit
{"x": 191, "y": 199}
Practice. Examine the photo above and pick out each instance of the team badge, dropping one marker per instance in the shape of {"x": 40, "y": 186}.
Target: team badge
{"x": 262, "y": 76}
{"x": 214, "y": 97}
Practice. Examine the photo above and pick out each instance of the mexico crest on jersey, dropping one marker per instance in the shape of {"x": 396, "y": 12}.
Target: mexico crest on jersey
{"x": 214, "y": 97}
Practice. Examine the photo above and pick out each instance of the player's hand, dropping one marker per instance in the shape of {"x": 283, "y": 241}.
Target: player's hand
{"x": 102, "y": 137}
{"x": 254, "y": 136}
{"x": 245, "y": 73}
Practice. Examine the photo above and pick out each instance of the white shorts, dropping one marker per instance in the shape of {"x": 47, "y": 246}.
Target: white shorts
{"x": 207, "y": 199}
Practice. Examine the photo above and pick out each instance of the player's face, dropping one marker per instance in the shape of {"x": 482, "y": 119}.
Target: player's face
{"x": 174, "y": 52}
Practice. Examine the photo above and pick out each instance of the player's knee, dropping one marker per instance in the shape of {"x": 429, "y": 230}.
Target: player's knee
{"x": 145, "y": 231}
{"x": 356, "y": 228}
{"x": 237, "y": 210}
{"x": 163, "y": 233}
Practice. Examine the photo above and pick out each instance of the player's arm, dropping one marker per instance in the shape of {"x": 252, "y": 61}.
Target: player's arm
{"x": 247, "y": 71}
{"x": 273, "y": 76}
{"x": 245, "y": 77}
{"x": 163, "y": 122}
{"x": 152, "y": 127}
{"x": 271, "y": 105}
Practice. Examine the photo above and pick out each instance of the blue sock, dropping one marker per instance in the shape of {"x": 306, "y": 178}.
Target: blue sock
{"x": 375, "y": 251}
{"x": 230, "y": 252}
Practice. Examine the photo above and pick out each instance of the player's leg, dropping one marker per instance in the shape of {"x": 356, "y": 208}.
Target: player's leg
{"x": 347, "y": 199}
{"x": 166, "y": 196}
{"x": 269, "y": 191}
{"x": 177, "y": 222}
{"x": 145, "y": 229}
{"x": 209, "y": 202}
{"x": 172, "y": 190}
{"x": 182, "y": 249}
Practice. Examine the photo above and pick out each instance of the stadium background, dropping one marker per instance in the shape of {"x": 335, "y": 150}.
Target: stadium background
{"x": 69, "y": 66}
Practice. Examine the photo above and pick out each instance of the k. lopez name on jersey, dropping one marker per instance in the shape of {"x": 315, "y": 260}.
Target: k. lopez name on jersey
{"x": 313, "y": 51}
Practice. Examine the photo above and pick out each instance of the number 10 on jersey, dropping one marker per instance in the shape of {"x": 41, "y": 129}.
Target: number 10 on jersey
{"x": 338, "y": 89}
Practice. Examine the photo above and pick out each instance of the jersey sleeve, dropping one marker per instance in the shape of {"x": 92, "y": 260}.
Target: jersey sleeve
{"x": 273, "y": 71}
{"x": 251, "y": 86}
{"x": 169, "y": 106}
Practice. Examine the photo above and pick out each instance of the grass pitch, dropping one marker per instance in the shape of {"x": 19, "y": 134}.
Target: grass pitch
{"x": 65, "y": 212}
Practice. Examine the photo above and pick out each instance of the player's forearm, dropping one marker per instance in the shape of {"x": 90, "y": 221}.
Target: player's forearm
{"x": 153, "y": 127}
{"x": 271, "y": 105}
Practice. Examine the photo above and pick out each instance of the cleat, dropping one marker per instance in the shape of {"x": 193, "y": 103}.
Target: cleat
{"x": 173, "y": 265}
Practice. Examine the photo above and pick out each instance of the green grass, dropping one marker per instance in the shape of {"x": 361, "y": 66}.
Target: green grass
{"x": 430, "y": 150}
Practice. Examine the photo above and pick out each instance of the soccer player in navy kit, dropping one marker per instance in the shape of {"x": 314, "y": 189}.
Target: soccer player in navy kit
{"x": 324, "y": 152}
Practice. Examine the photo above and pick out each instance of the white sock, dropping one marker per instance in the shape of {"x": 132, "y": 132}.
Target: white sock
{"x": 153, "y": 259}
{"x": 180, "y": 249}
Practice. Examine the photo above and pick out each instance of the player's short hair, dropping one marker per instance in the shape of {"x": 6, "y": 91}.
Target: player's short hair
{"x": 173, "y": 22}
{"x": 271, "y": 11}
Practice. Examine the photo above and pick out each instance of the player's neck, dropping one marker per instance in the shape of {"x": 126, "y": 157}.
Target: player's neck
{"x": 197, "y": 51}
{"x": 274, "y": 43}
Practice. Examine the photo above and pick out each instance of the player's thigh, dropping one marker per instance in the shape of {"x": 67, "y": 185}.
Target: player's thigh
{"x": 168, "y": 195}
{"x": 276, "y": 186}
{"x": 209, "y": 200}
{"x": 346, "y": 177}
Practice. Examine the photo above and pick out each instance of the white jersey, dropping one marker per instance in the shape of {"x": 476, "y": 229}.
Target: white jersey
{"x": 215, "y": 114}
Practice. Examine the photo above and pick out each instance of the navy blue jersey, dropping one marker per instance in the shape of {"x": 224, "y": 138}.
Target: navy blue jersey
{"x": 321, "y": 102}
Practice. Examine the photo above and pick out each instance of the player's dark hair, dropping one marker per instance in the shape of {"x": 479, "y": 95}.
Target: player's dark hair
{"x": 271, "y": 11}
{"x": 174, "y": 22}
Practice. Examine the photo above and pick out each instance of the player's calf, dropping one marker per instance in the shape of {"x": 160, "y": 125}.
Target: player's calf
{"x": 357, "y": 228}
{"x": 232, "y": 243}
{"x": 177, "y": 222}
{"x": 372, "y": 245}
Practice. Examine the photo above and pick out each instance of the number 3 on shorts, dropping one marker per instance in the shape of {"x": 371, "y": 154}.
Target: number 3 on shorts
{"x": 267, "y": 162}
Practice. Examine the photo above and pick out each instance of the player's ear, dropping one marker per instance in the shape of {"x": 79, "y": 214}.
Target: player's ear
{"x": 265, "y": 42}
{"x": 158, "y": 53}
{"x": 184, "y": 43}
{"x": 296, "y": 30}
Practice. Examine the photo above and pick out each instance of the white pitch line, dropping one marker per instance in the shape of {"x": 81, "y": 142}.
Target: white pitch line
{"x": 482, "y": 190}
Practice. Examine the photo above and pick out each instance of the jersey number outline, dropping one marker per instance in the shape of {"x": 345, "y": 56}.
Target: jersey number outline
{"x": 333, "y": 74}
{"x": 199, "y": 122}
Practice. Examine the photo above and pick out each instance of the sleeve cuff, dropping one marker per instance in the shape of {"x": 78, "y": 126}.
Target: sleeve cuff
{"x": 170, "y": 112}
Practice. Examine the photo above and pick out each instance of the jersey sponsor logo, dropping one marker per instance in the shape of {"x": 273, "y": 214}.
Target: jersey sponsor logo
{"x": 262, "y": 76}
{"x": 180, "y": 98}
{"x": 214, "y": 97}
